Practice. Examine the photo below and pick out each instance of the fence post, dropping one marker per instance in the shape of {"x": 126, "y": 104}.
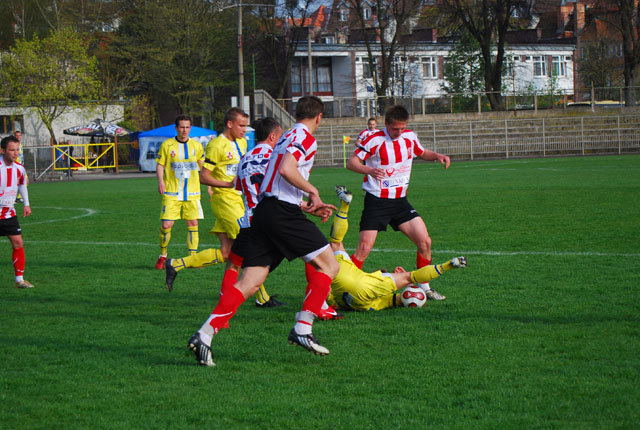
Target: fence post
{"x": 582, "y": 133}
{"x": 434, "y": 136}
{"x": 479, "y": 103}
{"x": 331, "y": 140}
{"x": 471, "y": 138}
{"x": 619, "y": 140}
{"x": 535, "y": 102}
{"x": 544, "y": 140}
{"x": 424, "y": 106}
{"x": 506, "y": 139}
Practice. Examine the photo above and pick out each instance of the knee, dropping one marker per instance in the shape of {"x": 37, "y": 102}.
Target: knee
{"x": 424, "y": 244}
{"x": 333, "y": 269}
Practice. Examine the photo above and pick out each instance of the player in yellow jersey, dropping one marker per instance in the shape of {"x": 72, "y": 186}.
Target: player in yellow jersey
{"x": 355, "y": 289}
{"x": 179, "y": 162}
{"x": 222, "y": 159}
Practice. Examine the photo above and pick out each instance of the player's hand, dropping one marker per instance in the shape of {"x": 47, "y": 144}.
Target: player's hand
{"x": 209, "y": 191}
{"x": 26, "y": 211}
{"x": 444, "y": 160}
{"x": 378, "y": 173}
{"x": 161, "y": 187}
{"x": 324, "y": 212}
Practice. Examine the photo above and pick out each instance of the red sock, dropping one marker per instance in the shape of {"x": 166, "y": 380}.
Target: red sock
{"x": 230, "y": 277}
{"x": 309, "y": 271}
{"x": 421, "y": 261}
{"x": 18, "y": 261}
{"x": 357, "y": 262}
{"x": 226, "y": 308}
{"x": 318, "y": 291}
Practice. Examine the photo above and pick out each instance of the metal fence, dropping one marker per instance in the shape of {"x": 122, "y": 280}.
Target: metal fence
{"x": 341, "y": 107}
{"x": 503, "y": 138}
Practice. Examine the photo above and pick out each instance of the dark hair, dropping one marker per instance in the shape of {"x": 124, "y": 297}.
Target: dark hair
{"x": 396, "y": 113}
{"x": 265, "y": 127}
{"x": 5, "y": 142}
{"x": 373, "y": 118}
{"x": 182, "y": 118}
{"x": 308, "y": 107}
{"x": 232, "y": 114}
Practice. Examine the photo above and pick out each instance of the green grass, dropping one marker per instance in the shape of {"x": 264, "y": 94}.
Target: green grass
{"x": 541, "y": 330}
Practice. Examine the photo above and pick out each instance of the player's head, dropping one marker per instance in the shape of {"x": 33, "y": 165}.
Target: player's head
{"x": 372, "y": 123}
{"x": 235, "y": 122}
{"x": 18, "y": 135}
{"x": 267, "y": 129}
{"x": 10, "y": 148}
{"x": 309, "y": 107}
{"x": 183, "y": 127}
{"x": 395, "y": 120}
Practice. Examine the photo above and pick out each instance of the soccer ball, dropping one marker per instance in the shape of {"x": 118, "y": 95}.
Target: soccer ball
{"x": 413, "y": 297}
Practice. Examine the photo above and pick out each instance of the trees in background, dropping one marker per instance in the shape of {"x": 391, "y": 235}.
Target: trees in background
{"x": 50, "y": 75}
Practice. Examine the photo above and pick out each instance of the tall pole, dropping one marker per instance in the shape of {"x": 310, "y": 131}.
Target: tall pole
{"x": 240, "y": 60}
{"x": 310, "y": 62}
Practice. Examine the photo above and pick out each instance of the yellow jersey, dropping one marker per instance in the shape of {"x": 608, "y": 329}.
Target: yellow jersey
{"x": 222, "y": 159}
{"x": 181, "y": 169}
{"x": 355, "y": 289}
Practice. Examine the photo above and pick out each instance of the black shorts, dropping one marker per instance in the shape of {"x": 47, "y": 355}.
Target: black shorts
{"x": 280, "y": 230}
{"x": 378, "y": 213}
{"x": 10, "y": 227}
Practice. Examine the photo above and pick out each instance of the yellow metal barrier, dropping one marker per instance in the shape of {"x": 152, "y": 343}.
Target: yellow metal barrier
{"x": 93, "y": 156}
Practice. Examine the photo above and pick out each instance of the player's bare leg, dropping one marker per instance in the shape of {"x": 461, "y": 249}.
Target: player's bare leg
{"x": 416, "y": 230}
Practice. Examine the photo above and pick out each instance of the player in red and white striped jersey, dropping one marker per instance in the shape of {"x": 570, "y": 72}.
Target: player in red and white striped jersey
{"x": 279, "y": 229}
{"x": 372, "y": 123}
{"x": 13, "y": 180}
{"x": 385, "y": 158}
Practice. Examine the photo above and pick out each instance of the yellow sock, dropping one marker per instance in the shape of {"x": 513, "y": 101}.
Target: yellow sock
{"x": 427, "y": 273}
{"x": 208, "y": 257}
{"x": 340, "y": 224}
{"x": 165, "y": 238}
{"x": 262, "y": 296}
{"x": 192, "y": 239}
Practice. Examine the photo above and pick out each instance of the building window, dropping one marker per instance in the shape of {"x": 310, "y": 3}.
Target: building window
{"x": 429, "y": 67}
{"x": 558, "y": 66}
{"x": 10, "y": 123}
{"x": 366, "y": 13}
{"x": 367, "y": 73}
{"x": 328, "y": 40}
{"x": 344, "y": 15}
{"x": 322, "y": 75}
{"x": 539, "y": 66}
{"x": 296, "y": 81}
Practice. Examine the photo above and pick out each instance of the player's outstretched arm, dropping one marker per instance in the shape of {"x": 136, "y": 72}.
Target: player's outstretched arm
{"x": 160, "y": 176}
{"x": 428, "y": 155}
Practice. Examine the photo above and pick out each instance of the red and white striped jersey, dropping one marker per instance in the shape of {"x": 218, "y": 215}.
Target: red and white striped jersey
{"x": 365, "y": 133}
{"x": 394, "y": 157}
{"x": 303, "y": 146}
{"x": 10, "y": 177}
{"x": 251, "y": 173}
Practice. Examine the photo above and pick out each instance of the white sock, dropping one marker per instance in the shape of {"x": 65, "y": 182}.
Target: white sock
{"x": 19, "y": 278}
{"x": 304, "y": 322}
{"x": 206, "y": 331}
{"x": 425, "y": 286}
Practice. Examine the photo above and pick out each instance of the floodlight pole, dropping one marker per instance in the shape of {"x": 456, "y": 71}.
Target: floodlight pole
{"x": 240, "y": 60}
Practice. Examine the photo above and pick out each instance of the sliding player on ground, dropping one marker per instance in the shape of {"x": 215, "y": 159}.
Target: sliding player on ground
{"x": 357, "y": 290}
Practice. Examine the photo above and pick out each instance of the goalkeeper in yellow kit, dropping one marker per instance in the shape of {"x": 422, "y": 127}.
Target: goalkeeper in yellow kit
{"x": 355, "y": 289}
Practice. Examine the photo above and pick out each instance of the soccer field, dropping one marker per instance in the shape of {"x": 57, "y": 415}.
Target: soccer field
{"x": 542, "y": 329}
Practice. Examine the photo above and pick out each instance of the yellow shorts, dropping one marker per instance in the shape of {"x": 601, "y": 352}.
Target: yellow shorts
{"x": 171, "y": 209}
{"x": 229, "y": 213}
{"x": 355, "y": 289}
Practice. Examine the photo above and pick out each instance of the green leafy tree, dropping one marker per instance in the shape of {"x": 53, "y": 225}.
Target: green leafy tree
{"x": 463, "y": 72}
{"x": 50, "y": 75}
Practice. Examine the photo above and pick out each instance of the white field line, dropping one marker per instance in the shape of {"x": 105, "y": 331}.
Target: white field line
{"x": 383, "y": 250}
{"x": 85, "y": 212}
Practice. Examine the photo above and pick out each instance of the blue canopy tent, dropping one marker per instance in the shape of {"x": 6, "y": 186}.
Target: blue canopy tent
{"x": 150, "y": 141}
